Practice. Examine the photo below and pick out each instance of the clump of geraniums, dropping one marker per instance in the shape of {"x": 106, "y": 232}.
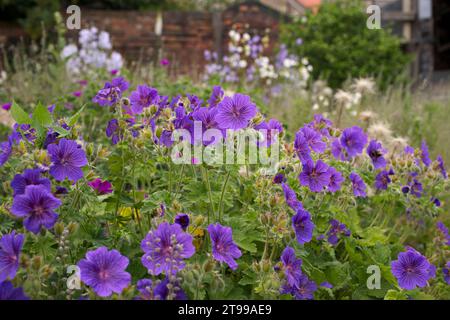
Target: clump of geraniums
{"x": 132, "y": 221}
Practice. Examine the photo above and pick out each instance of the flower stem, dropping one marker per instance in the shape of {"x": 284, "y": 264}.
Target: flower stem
{"x": 208, "y": 186}
{"x": 222, "y": 195}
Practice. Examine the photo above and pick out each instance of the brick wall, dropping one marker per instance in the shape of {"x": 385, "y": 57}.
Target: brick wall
{"x": 185, "y": 34}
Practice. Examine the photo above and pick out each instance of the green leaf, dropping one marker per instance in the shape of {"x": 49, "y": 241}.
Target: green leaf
{"x": 395, "y": 295}
{"x": 41, "y": 117}
{"x": 19, "y": 115}
{"x": 73, "y": 119}
{"x": 61, "y": 131}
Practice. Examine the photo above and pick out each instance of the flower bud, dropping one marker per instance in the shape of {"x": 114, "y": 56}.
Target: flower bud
{"x": 36, "y": 262}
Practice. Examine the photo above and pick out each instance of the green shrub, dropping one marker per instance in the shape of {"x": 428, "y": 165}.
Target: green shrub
{"x": 340, "y": 46}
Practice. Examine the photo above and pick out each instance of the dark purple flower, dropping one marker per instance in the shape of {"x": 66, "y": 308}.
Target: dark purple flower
{"x": 302, "y": 148}
{"x": 10, "y": 247}
{"x": 101, "y": 187}
{"x": 279, "y": 178}
{"x": 216, "y": 96}
{"x": 27, "y": 178}
{"x": 353, "y": 140}
{"x": 382, "y": 180}
{"x": 68, "y": 157}
{"x": 375, "y": 151}
{"x": 291, "y": 265}
{"x": 321, "y": 124}
{"x": 223, "y": 247}
{"x": 336, "y": 180}
{"x": 444, "y": 231}
{"x": 316, "y": 177}
{"x": 336, "y": 229}
{"x": 111, "y": 92}
{"x": 314, "y": 139}
{"x": 291, "y": 197}
{"x": 412, "y": 269}
{"x": 166, "y": 248}
{"x": 104, "y": 271}
{"x": 61, "y": 190}
{"x": 446, "y": 272}
{"x": 358, "y": 185}
{"x": 5, "y": 151}
{"x": 304, "y": 289}
{"x": 7, "y": 106}
{"x": 77, "y": 94}
{"x": 183, "y": 220}
{"x": 164, "y": 62}
{"x": 236, "y": 112}
{"x": 36, "y": 205}
{"x": 142, "y": 98}
{"x": 425, "y": 156}
{"x": 442, "y": 166}
{"x": 8, "y": 292}
{"x": 159, "y": 291}
{"x": 405, "y": 189}
{"x": 113, "y": 131}
{"x": 303, "y": 226}
{"x": 416, "y": 188}
{"x": 436, "y": 201}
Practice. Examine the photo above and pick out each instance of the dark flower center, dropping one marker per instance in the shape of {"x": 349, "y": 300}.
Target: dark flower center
{"x": 39, "y": 210}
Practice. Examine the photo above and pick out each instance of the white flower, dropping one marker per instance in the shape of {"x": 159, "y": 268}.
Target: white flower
{"x": 68, "y": 50}
{"x": 242, "y": 64}
{"x": 103, "y": 41}
{"x": 115, "y": 62}
{"x": 364, "y": 85}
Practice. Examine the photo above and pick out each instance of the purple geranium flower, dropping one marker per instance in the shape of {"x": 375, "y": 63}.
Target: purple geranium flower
{"x": 104, "y": 271}
{"x": 316, "y": 177}
{"x": 166, "y": 248}
{"x": 29, "y": 177}
{"x": 337, "y": 228}
{"x": 8, "y": 292}
{"x": 10, "y": 247}
{"x": 416, "y": 188}
{"x": 5, "y": 151}
{"x": 302, "y": 148}
{"x": 412, "y": 269}
{"x": 425, "y": 156}
{"x": 358, "y": 185}
{"x": 303, "y": 226}
{"x": 291, "y": 265}
{"x": 444, "y": 231}
{"x": 314, "y": 139}
{"x": 36, "y": 205}
{"x": 216, "y": 96}
{"x": 7, "y": 106}
{"x": 291, "y": 197}
{"x": 235, "y": 113}
{"x": 336, "y": 180}
{"x": 304, "y": 289}
{"x": 223, "y": 247}
{"x": 446, "y": 272}
{"x": 442, "y": 166}
{"x": 142, "y": 98}
{"x": 375, "y": 151}
{"x": 111, "y": 92}
{"x": 353, "y": 140}
{"x": 101, "y": 187}
{"x": 326, "y": 284}
{"x": 382, "y": 179}
{"x": 68, "y": 157}
{"x": 159, "y": 291}
{"x": 183, "y": 220}
{"x": 279, "y": 178}
{"x": 113, "y": 131}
